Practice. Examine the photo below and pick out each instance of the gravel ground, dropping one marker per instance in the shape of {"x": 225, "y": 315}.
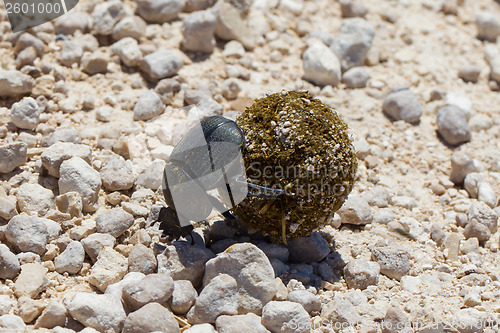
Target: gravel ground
{"x": 92, "y": 104}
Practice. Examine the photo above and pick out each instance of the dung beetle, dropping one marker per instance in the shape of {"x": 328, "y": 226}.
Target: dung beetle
{"x": 208, "y": 157}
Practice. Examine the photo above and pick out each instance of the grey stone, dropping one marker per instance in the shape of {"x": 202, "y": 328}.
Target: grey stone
{"x": 219, "y": 297}
{"x": 148, "y": 178}
{"x": 74, "y": 20}
{"x": 360, "y": 273}
{"x": 27, "y": 40}
{"x": 130, "y": 26}
{"x": 114, "y": 222}
{"x": 356, "y": 210}
{"x": 71, "y": 259}
{"x": 248, "y": 323}
{"x": 198, "y": 30}
{"x": 117, "y": 288}
{"x": 482, "y": 213}
{"x": 469, "y": 73}
{"x": 437, "y": 234}
{"x": 159, "y": 11}
{"x": 353, "y": 9}
{"x": 201, "y": 328}
{"x": 9, "y": 264}
{"x": 378, "y": 196}
{"x": 25, "y": 113}
{"x": 488, "y": 27}
{"x": 312, "y": 248}
{"x": 35, "y": 199}
{"x": 109, "y": 268}
{"x": 32, "y": 280}
{"x": 477, "y": 230}
{"x": 472, "y": 181}
{"x": 128, "y": 50}
{"x": 142, "y": 259}
{"x": 53, "y": 315}
{"x": 62, "y": 135}
{"x": 395, "y": 320}
{"x": 286, "y": 317}
{"x": 27, "y": 233}
{"x": 492, "y": 55}
{"x": 12, "y": 155}
{"x": 403, "y": 105}
{"x": 341, "y": 312}
{"x": 26, "y": 57}
{"x": 231, "y": 88}
{"x": 321, "y": 65}
{"x": 95, "y": 62}
{"x": 184, "y": 262}
{"x": 161, "y": 64}
{"x": 102, "y": 312}
{"x": 461, "y": 166}
{"x": 353, "y": 42}
{"x": 13, "y": 83}
{"x": 94, "y": 243}
{"x": 148, "y": 106}
{"x": 71, "y": 53}
{"x": 246, "y": 263}
{"x": 356, "y": 77}
{"x": 195, "y": 5}
{"x": 183, "y": 297}
{"x": 394, "y": 263}
{"x": 117, "y": 174}
{"x": 78, "y": 176}
{"x": 105, "y": 16}
{"x": 59, "y": 152}
{"x": 274, "y": 251}
{"x": 152, "y": 317}
{"x": 152, "y": 288}
{"x": 305, "y": 298}
{"x": 452, "y": 125}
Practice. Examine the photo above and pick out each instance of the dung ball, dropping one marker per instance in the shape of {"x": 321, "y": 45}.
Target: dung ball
{"x": 296, "y": 144}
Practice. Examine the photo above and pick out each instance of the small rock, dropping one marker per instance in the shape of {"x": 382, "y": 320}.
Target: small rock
{"x": 95, "y": 62}
{"x": 105, "y": 16}
{"x": 477, "y": 230}
{"x": 360, "y": 273}
{"x": 142, "y": 259}
{"x": 70, "y": 105}
{"x": 248, "y": 323}
{"x": 286, "y": 317}
{"x": 161, "y": 64}
{"x": 246, "y": 263}
{"x": 6, "y": 303}
{"x": 437, "y": 234}
{"x": 378, "y": 196}
{"x": 198, "y": 30}
{"x": 151, "y": 317}
{"x": 117, "y": 174}
{"x": 472, "y": 299}
{"x": 321, "y": 66}
{"x": 27, "y": 40}
{"x": 148, "y": 106}
{"x": 184, "y": 262}
{"x": 74, "y": 20}
{"x": 231, "y": 88}
{"x": 356, "y": 210}
{"x": 104, "y": 114}
{"x": 293, "y": 6}
{"x": 13, "y": 83}
{"x": 71, "y": 259}
{"x": 12, "y": 155}
{"x": 71, "y": 53}
{"x": 394, "y": 263}
{"x": 480, "y": 122}
{"x": 159, "y": 11}
{"x": 183, "y": 297}
{"x": 130, "y": 26}
{"x": 7, "y": 206}
{"x": 486, "y": 194}
{"x": 470, "y": 245}
{"x": 53, "y": 156}
{"x": 29, "y": 309}
{"x": 353, "y": 9}
{"x": 483, "y": 214}
{"x": 9, "y": 265}
{"x": 353, "y": 42}
{"x": 26, "y": 57}
{"x": 105, "y": 312}
{"x": 452, "y": 125}
{"x": 109, "y": 268}
{"x": 312, "y": 248}
{"x": 114, "y": 222}
{"x": 461, "y": 166}
{"x": 403, "y": 105}
{"x": 128, "y": 50}
{"x": 218, "y": 297}
{"x": 492, "y": 54}
{"x": 94, "y": 243}
{"x": 71, "y": 203}
{"x": 272, "y": 250}
{"x": 148, "y": 178}
{"x": 356, "y": 77}
{"x": 27, "y": 233}
{"x": 305, "y": 298}
{"x": 32, "y": 280}
{"x": 395, "y": 320}
{"x": 234, "y": 49}
{"x": 472, "y": 181}
{"x": 25, "y": 114}
{"x": 488, "y": 27}
{"x": 341, "y": 312}
{"x": 201, "y": 328}
{"x": 152, "y": 288}
{"x": 34, "y": 198}
{"x": 53, "y": 315}
{"x": 469, "y": 73}
{"x": 78, "y": 176}
{"x": 195, "y": 5}
{"x": 12, "y": 323}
